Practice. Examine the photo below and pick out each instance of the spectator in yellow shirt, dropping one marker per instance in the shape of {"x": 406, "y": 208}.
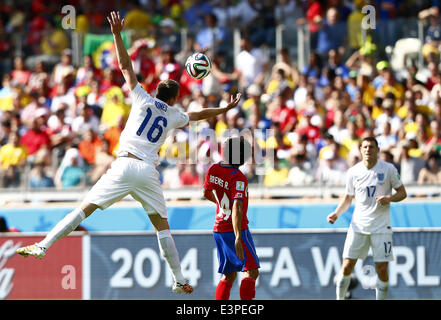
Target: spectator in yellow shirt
{"x": 54, "y": 40}
{"x": 12, "y": 153}
{"x": 410, "y": 105}
{"x": 276, "y": 175}
{"x": 391, "y": 85}
{"x": 137, "y": 19}
{"x": 253, "y": 104}
{"x": 114, "y": 108}
{"x": 331, "y": 144}
{"x": 376, "y": 107}
{"x": 82, "y": 23}
{"x": 354, "y": 26}
{"x": 368, "y": 91}
{"x": 352, "y": 139}
{"x": 12, "y": 158}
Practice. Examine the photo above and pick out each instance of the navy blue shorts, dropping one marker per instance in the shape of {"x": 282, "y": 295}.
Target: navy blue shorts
{"x": 226, "y": 252}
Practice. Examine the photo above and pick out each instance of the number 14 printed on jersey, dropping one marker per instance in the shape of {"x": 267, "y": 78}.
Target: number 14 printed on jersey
{"x": 224, "y": 206}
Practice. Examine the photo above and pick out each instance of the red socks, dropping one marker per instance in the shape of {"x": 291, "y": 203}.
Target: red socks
{"x": 223, "y": 290}
{"x": 247, "y": 288}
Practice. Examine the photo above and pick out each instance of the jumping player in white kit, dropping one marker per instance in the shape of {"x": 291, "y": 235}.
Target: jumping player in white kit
{"x": 134, "y": 170}
{"x": 370, "y": 182}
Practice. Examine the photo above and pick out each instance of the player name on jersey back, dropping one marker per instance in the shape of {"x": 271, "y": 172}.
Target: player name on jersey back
{"x": 161, "y": 106}
{"x": 219, "y": 181}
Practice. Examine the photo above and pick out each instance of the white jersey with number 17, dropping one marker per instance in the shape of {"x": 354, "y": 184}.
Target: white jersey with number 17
{"x": 149, "y": 122}
{"x": 365, "y": 185}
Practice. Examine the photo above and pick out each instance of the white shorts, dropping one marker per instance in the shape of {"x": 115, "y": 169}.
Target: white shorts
{"x": 129, "y": 176}
{"x": 357, "y": 246}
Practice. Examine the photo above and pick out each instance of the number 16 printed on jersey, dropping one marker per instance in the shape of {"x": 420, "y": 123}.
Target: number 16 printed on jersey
{"x": 155, "y": 131}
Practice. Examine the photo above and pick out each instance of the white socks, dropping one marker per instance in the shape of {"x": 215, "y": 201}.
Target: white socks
{"x": 170, "y": 254}
{"x": 69, "y": 223}
{"x": 381, "y": 289}
{"x": 342, "y": 285}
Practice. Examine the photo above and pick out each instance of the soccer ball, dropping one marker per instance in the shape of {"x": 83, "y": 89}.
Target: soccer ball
{"x": 198, "y": 65}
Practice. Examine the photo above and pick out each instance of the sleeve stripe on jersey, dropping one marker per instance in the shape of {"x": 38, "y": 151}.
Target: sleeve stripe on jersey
{"x": 234, "y": 172}
{"x": 238, "y": 199}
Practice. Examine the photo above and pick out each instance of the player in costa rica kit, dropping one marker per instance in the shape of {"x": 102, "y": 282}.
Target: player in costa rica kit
{"x": 227, "y": 186}
{"x": 134, "y": 170}
{"x": 370, "y": 182}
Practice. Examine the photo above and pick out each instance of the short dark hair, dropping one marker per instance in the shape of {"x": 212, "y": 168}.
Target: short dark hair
{"x": 167, "y": 89}
{"x": 371, "y": 139}
{"x": 237, "y": 150}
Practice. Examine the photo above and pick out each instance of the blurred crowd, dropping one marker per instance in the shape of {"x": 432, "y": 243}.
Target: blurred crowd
{"x": 60, "y": 122}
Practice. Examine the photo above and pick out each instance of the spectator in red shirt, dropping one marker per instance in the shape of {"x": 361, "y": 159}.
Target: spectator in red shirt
{"x": 189, "y": 176}
{"x": 143, "y": 63}
{"x": 109, "y": 80}
{"x": 310, "y": 130}
{"x": 35, "y": 138}
{"x": 285, "y": 114}
{"x": 36, "y": 31}
{"x": 39, "y": 6}
{"x": 20, "y": 74}
{"x": 188, "y": 84}
{"x": 167, "y": 67}
{"x": 434, "y": 71}
{"x": 314, "y": 13}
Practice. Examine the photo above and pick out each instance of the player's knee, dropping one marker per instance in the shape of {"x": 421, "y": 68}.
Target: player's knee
{"x": 253, "y": 273}
{"x": 88, "y": 208}
{"x": 382, "y": 271}
{"x": 158, "y": 222}
{"x": 230, "y": 277}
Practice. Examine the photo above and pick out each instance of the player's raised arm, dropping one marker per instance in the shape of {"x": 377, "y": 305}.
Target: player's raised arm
{"x": 124, "y": 62}
{"x": 213, "y": 112}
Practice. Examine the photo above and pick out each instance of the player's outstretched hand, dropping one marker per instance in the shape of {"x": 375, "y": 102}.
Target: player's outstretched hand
{"x": 116, "y": 24}
{"x": 234, "y": 101}
{"x": 332, "y": 217}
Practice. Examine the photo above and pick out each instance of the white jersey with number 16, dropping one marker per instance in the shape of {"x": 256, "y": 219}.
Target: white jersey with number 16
{"x": 149, "y": 121}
